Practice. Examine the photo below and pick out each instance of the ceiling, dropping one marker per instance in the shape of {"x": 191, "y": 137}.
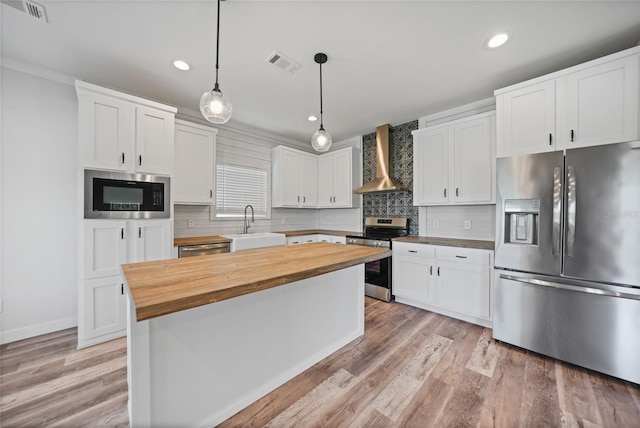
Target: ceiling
{"x": 389, "y": 61}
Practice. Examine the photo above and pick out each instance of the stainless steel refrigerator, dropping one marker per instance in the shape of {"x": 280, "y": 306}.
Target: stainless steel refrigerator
{"x": 567, "y": 259}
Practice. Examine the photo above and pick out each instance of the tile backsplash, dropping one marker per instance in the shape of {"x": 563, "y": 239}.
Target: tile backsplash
{"x": 396, "y": 204}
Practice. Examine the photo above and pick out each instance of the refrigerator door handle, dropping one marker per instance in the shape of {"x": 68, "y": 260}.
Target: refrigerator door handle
{"x": 571, "y": 211}
{"x": 611, "y": 291}
{"x": 557, "y": 206}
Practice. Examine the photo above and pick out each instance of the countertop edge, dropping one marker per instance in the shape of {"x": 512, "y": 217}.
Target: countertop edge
{"x": 448, "y": 242}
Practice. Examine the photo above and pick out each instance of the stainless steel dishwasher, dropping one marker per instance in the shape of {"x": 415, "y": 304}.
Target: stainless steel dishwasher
{"x": 202, "y": 249}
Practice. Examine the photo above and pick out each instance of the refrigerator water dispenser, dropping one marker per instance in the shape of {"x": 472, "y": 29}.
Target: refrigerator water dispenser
{"x": 521, "y": 221}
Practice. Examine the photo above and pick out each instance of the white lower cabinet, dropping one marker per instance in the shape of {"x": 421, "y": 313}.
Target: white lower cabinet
{"x": 308, "y": 239}
{"x": 105, "y": 310}
{"x": 449, "y": 280}
{"x": 107, "y": 245}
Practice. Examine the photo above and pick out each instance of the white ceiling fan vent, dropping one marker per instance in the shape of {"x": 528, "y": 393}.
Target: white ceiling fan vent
{"x": 283, "y": 62}
{"x": 33, "y": 9}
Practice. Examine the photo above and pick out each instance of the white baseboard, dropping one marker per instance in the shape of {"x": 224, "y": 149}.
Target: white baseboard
{"x": 37, "y": 330}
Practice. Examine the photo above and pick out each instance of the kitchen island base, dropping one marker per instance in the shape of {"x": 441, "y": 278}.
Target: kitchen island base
{"x": 200, "y": 366}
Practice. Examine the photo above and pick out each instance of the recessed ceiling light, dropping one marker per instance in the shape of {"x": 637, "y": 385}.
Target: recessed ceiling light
{"x": 181, "y": 65}
{"x": 498, "y": 40}
{"x": 312, "y": 118}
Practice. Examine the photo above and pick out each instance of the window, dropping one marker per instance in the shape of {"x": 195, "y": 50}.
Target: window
{"x": 237, "y": 186}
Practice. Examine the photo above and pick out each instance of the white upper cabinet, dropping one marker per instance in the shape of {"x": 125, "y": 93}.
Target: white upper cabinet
{"x": 304, "y": 180}
{"x": 193, "y": 164}
{"x": 527, "y": 120}
{"x": 431, "y": 166}
{"x": 122, "y": 132}
{"x": 154, "y": 141}
{"x": 338, "y": 173}
{"x": 601, "y": 104}
{"x": 454, "y": 163}
{"x": 294, "y": 177}
{"x": 590, "y": 104}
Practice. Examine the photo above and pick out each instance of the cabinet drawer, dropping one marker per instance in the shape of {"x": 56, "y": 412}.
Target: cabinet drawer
{"x": 464, "y": 255}
{"x": 415, "y": 250}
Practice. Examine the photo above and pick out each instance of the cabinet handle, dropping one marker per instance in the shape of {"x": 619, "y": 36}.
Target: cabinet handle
{"x": 123, "y": 158}
{"x": 430, "y": 270}
{"x": 304, "y": 199}
{"x": 122, "y": 289}
{"x": 210, "y": 193}
{"x": 550, "y": 139}
{"x": 121, "y": 233}
{"x": 445, "y": 193}
{"x": 438, "y": 270}
{"x": 413, "y": 251}
{"x": 140, "y": 160}
{"x": 572, "y": 135}
{"x": 457, "y": 191}
{"x": 461, "y": 257}
{"x": 139, "y": 232}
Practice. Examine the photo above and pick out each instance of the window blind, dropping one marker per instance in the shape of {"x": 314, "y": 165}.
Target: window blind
{"x": 236, "y": 187}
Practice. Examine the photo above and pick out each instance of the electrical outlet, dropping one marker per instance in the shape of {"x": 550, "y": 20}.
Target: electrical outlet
{"x": 191, "y": 223}
{"x": 467, "y": 224}
{"x": 436, "y": 224}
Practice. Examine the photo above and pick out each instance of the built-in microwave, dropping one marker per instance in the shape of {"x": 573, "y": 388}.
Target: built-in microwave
{"x": 120, "y": 195}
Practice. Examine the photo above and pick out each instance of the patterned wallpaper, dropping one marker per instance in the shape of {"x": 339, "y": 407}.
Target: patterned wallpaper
{"x": 396, "y": 204}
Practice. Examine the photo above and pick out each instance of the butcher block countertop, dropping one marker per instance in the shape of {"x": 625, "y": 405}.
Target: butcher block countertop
{"x": 166, "y": 286}
{"x": 449, "y": 242}
{"x": 197, "y": 240}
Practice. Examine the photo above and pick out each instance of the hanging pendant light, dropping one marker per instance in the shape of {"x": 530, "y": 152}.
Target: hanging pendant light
{"x": 321, "y": 139}
{"x": 214, "y": 106}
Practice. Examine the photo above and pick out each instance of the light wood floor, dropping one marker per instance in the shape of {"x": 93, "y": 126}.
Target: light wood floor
{"x": 412, "y": 368}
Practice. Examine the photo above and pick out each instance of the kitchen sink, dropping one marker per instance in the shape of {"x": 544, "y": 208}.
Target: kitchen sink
{"x": 248, "y": 241}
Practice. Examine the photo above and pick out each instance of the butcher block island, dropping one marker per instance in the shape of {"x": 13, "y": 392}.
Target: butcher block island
{"x": 209, "y": 335}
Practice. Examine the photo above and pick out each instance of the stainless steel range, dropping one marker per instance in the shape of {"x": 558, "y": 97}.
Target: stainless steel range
{"x": 378, "y": 232}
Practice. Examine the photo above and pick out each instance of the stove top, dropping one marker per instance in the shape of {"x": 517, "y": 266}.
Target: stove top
{"x": 380, "y": 229}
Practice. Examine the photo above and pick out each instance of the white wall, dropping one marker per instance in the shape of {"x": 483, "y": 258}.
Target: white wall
{"x": 39, "y": 212}
{"x": 448, "y": 222}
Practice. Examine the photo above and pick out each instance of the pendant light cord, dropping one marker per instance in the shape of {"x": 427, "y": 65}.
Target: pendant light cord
{"x": 321, "y": 125}
{"x": 217, "y": 88}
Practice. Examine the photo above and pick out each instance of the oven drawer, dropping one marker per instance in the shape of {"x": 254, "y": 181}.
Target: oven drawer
{"x": 415, "y": 250}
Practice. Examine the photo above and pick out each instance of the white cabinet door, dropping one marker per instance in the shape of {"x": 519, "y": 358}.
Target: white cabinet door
{"x": 325, "y": 181}
{"x": 339, "y": 239}
{"x": 342, "y": 179}
{"x": 309, "y": 180}
{"x": 103, "y": 312}
{"x": 105, "y": 131}
{"x": 602, "y": 104}
{"x": 431, "y": 167}
{"x": 294, "y": 240}
{"x": 474, "y": 159}
{"x": 105, "y": 247}
{"x": 291, "y": 172}
{"x": 527, "y": 120}
{"x": 149, "y": 240}
{"x": 154, "y": 141}
{"x": 464, "y": 288}
{"x": 193, "y": 164}
{"x": 413, "y": 278}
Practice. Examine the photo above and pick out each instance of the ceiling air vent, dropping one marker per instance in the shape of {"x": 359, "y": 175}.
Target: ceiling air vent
{"x": 283, "y": 62}
{"x": 34, "y": 9}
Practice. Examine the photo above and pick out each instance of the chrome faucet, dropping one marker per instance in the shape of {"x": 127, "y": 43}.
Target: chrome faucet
{"x": 246, "y": 220}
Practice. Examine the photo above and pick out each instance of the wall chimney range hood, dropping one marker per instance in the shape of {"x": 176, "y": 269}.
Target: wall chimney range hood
{"x": 383, "y": 181}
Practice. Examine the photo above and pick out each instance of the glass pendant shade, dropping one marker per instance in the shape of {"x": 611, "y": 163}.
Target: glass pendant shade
{"x": 321, "y": 140}
{"x": 215, "y": 107}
